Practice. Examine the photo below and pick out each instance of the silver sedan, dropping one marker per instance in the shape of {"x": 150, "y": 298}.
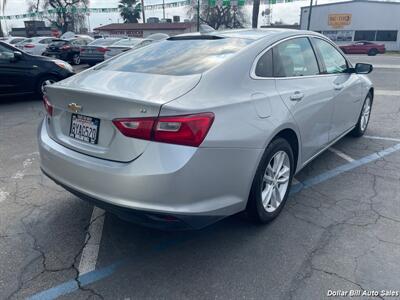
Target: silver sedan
{"x": 195, "y": 128}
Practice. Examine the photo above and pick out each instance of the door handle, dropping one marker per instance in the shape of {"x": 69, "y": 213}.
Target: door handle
{"x": 338, "y": 87}
{"x": 297, "y": 96}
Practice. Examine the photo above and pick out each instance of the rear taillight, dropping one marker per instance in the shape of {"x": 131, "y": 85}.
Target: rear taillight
{"x": 65, "y": 47}
{"x": 187, "y": 130}
{"x": 29, "y": 46}
{"x": 139, "y": 128}
{"x": 103, "y": 49}
{"x": 47, "y": 106}
{"x": 83, "y": 50}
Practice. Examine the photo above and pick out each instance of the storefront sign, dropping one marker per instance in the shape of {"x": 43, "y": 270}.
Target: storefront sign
{"x": 339, "y": 20}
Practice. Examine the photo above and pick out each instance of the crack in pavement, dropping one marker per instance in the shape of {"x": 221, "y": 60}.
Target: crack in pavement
{"x": 42, "y": 255}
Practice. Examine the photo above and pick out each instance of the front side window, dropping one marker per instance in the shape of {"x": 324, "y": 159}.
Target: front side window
{"x": 294, "y": 58}
{"x": 333, "y": 61}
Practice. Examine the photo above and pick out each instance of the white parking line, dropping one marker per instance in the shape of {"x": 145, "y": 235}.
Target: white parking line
{"x": 383, "y": 66}
{"x": 382, "y": 138}
{"x": 387, "y": 92}
{"x": 3, "y": 195}
{"x": 92, "y": 242}
{"x": 341, "y": 154}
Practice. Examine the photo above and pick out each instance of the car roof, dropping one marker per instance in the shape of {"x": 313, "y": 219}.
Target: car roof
{"x": 252, "y": 34}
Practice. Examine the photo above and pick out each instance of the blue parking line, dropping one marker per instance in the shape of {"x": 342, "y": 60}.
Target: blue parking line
{"x": 72, "y": 285}
{"x": 96, "y": 275}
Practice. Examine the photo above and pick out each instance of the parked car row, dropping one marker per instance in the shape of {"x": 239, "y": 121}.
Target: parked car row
{"x": 26, "y": 67}
{"x": 78, "y": 49}
{"x": 23, "y": 73}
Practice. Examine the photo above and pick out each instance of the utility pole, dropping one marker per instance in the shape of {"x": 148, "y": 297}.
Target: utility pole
{"x": 163, "y": 9}
{"x": 143, "y": 16}
{"x": 309, "y": 15}
{"x": 198, "y": 15}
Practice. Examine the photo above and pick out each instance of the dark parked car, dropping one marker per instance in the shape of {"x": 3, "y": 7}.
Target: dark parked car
{"x": 22, "y": 73}
{"x": 363, "y": 47}
{"x": 67, "y": 50}
{"x": 94, "y": 52}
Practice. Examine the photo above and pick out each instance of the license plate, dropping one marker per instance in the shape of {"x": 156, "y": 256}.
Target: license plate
{"x": 84, "y": 128}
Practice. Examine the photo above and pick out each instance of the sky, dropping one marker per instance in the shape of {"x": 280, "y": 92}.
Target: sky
{"x": 289, "y": 13}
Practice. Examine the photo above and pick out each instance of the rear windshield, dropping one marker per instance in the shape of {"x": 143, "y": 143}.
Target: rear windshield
{"x": 103, "y": 42}
{"x": 177, "y": 57}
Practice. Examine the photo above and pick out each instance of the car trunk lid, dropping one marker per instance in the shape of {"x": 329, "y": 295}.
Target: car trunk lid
{"x": 96, "y": 97}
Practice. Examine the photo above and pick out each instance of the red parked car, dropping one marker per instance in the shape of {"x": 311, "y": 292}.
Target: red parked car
{"x": 363, "y": 47}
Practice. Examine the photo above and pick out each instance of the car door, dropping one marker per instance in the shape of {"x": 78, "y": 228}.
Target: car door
{"x": 346, "y": 85}
{"x": 307, "y": 94}
{"x": 16, "y": 75}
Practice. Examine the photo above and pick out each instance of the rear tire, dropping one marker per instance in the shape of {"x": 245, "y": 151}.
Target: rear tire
{"x": 372, "y": 52}
{"x": 271, "y": 183}
{"x": 76, "y": 59}
{"x": 45, "y": 80}
{"x": 363, "y": 119}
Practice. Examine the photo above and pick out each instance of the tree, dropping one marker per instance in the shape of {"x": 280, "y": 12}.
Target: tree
{"x": 2, "y": 8}
{"x": 256, "y": 11}
{"x": 66, "y": 17}
{"x": 220, "y": 16}
{"x": 130, "y": 10}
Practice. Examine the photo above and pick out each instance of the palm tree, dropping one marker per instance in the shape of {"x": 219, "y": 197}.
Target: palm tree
{"x": 2, "y": 7}
{"x": 256, "y": 11}
{"x": 130, "y": 10}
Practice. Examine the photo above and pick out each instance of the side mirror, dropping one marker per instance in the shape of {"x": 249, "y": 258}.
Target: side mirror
{"x": 17, "y": 56}
{"x": 362, "y": 68}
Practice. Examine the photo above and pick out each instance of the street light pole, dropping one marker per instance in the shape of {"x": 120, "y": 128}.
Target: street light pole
{"x": 198, "y": 15}
{"x": 309, "y": 15}
{"x": 163, "y": 9}
{"x": 143, "y": 16}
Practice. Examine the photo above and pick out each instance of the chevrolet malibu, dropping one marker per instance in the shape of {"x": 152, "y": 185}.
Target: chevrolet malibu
{"x": 192, "y": 129}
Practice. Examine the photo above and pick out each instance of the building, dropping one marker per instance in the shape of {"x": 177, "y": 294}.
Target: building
{"x": 143, "y": 30}
{"x": 357, "y": 20}
{"x": 32, "y": 28}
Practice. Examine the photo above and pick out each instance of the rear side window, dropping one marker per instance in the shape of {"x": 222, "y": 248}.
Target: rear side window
{"x": 264, "y": 65}
{"x": 177, "y": 57}
{"x": 333, "y": 61}
{"x": 294, "y": 58}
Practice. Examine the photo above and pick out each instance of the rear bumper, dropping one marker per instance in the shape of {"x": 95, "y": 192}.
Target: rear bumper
{"x": 196, "y": 186}
{"x": 90, "y": 59}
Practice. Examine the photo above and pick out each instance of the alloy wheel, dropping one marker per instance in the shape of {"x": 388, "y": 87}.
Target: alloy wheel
{"x": 275, "y": 181}
{"x": 365, "y": 114}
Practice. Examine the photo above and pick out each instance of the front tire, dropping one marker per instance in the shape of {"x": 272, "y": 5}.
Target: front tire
{"x": 363, "y": 119}
{"x": 271, "y": 184}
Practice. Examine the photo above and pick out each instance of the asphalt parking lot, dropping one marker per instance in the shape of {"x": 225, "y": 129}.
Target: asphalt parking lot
{"x": 340, "y": 229}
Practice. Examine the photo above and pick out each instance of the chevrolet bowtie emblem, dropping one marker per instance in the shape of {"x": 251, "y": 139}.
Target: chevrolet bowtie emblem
{"x": 74, "y": 107}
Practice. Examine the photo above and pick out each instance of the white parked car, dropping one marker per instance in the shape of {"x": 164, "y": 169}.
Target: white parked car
{"x": 35, "y": 45}
{"x": 121, "y": 46}
{"x": 12, "y": 40}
